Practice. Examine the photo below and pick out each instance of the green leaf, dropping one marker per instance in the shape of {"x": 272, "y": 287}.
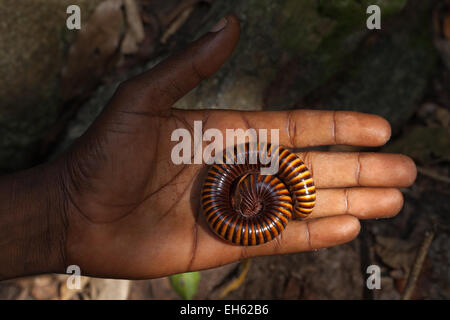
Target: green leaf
{"x": 185, "y": 284}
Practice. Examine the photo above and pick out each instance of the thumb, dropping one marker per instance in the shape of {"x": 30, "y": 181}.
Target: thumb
{"x": 158, "y": 89}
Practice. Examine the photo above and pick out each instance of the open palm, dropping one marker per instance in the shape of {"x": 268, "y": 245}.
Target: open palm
{"x": 133, "y": 213}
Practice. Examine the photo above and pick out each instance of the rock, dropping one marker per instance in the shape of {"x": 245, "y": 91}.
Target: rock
{"x": 271, "y": 33}
{"x": 287, "y": 48}
{"x": 34, "y": 41}
{"x": 388, "y": 76}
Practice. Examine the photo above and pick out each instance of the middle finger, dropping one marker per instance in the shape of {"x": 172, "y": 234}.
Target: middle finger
{"x": 343, "y": 169}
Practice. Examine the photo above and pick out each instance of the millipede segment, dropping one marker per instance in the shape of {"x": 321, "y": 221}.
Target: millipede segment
{"x": 247, "y": 208}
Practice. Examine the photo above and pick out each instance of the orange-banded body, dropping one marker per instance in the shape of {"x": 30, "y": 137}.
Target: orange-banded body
{"x": 247, "y": 208}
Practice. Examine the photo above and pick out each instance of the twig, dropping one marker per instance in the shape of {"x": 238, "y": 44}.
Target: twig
{"x": 176, "y": 24}
{"x": 367, "y": 259}
{"x": 237, "y": 282}
{"x": 432, "y": 174}
{"x": 417, "y": 266}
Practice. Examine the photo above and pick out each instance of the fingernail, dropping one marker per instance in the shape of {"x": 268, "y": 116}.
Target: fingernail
{"x": 219, "y": 26}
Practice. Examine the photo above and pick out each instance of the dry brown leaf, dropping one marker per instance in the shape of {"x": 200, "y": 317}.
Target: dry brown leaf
{"x": 446, "y": 26}
{"x": 441, "y": 21}
{"x": 135, "y": 33}
{"x": 44, "y": 288}
{"x": 396, "y": 253}
{"x": 109, "y": 289}
{"x": 443, "y": 116}
{"x": 179, "y": 21}
{"x": 95, "y": 47}
{"x": 175, "y": 11}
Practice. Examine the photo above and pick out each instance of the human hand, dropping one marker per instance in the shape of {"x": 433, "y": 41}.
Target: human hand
{"x": 130, "y": 212}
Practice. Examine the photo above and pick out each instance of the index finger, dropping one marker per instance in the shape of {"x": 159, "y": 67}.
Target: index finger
{"x": 302, "y": 128}
{"x": 305, "y": 128}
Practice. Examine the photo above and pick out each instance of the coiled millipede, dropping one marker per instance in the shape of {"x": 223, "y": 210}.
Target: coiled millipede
{"x": 247, "y": 208}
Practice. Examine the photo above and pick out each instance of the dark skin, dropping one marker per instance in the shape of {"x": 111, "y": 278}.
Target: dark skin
{"x": 117, "y": 206}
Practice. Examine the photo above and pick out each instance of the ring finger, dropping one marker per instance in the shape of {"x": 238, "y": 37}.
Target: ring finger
{"x": 341, "y": 169}
{"x": 362, "y": 203}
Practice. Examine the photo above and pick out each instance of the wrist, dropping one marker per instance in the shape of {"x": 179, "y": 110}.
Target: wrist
{"x": 32, "y": 222}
